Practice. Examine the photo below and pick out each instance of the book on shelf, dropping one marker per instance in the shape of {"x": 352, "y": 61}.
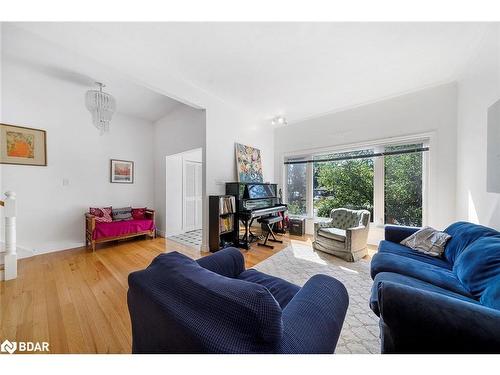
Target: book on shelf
{"x": 226, "y": 205}
{"x": 226, "y": 224}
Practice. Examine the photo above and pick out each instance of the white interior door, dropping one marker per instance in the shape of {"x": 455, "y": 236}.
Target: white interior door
{"x": 192, "y": 195}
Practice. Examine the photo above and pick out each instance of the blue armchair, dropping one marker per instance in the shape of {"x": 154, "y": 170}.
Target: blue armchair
{"x": 214, "y": 305}
{"x": 439, "y": 305}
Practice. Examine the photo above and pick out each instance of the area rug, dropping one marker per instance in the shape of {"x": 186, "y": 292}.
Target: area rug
{"x": 192, "y": 238}
{"x": 298, "y": 262}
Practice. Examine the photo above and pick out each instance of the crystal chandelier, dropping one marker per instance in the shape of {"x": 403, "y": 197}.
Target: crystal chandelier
{"x": 279, "y": 120}
{"x": 102, "y": 106}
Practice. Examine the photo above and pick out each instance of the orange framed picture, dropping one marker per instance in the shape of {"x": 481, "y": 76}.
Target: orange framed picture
{"x": 22, "y": 146}
{"x": 122, "y": 171}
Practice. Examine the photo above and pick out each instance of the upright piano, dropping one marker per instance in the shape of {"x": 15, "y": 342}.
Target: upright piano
{"x": 254, "y": 200}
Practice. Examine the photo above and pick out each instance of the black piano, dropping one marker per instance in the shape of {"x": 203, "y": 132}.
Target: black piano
{"x": 254, "y": 200}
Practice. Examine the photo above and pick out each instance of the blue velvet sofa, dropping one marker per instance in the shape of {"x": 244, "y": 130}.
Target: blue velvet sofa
{"x": 214, "y": 305}
{"x": 439, "y": 305}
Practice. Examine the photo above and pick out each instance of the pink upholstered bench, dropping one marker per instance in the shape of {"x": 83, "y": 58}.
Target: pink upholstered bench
{"x": 97, "y": 232}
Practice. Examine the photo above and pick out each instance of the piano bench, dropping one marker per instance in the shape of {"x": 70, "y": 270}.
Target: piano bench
{"x": 267, "y": 225}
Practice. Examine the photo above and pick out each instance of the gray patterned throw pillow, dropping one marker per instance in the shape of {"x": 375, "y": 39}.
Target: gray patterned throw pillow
{"x": 124, "y": 213}
{"x": 428, "y": 241}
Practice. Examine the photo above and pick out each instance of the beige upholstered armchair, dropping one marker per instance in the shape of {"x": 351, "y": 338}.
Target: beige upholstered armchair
{"x": 344, "y": 235}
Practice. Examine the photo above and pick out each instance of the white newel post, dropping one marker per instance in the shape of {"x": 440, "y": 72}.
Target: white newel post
{"x": 10, "y": 266}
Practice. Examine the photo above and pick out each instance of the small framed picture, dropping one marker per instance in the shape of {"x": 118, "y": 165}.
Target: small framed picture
{"x": 122, "y": 171}
{"x": 22, "y": 146}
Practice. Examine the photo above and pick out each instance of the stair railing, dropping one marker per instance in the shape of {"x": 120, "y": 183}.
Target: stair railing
{"x": 10, "y": 257}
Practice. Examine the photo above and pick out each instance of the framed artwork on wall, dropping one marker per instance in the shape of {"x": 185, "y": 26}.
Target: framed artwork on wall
{"x": 22, "y": 146}
{"x": 248, "y": 164}
{"x": 122, "y": 171}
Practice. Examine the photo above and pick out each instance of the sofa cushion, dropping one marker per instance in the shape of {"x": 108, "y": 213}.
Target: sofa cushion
{"x": 344, "y": 218}
{"x": 121, "y": 228}
{"x": 479, "y": 266}
{"x": 193, "y": 297}
{"x": 462, "y": 235}
{"x": 439, "y": 276}
{"x": 333, "y": 234}
{"x": 139, "y": 213}
{"x": 283, "y": 291}
{"x": 102, "y": 215}
{"x": 428, "y": 241}
{"x": 394, "y": 248}
{"x": 409, "y": 281}
{"x": 123, "y": 213}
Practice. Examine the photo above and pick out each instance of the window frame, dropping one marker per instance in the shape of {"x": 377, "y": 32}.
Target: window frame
{"x": 378, "y": 219}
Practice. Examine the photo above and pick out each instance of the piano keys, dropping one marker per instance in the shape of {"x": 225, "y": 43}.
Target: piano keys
{"x": 254, "y": 200}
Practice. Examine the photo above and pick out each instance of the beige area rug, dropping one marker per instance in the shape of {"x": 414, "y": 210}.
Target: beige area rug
{"x": 298, "y": 262}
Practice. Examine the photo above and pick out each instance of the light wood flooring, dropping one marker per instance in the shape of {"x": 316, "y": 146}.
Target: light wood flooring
{"x": 76, "y": 299}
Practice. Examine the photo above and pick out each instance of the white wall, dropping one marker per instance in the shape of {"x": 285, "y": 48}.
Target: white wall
{"x": 174, "y": 189}
{"x": 431, "y": 110}
{"x": 50, "y": 215}
{"x": 181, "y": 130}
{"x": 478, "y": 88}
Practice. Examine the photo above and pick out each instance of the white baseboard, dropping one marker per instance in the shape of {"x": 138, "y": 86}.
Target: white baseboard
{"x": 21, "y": 251}
{"x": 26, "y": 252}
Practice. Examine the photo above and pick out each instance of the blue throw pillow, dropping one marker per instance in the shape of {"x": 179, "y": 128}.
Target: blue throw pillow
{"x": 478, "y": 267}
{"x": 462, "y": 235}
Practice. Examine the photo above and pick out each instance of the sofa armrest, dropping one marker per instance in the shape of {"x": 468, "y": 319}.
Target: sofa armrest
{"x": 418, "y": 321}
{"x": 149, "y": 214}
{"x": 397, "y": 233}
{"x": 89, "y": 222}
{"x": 227, "y": 262}
{"x": 313, "y": 319}
{"x": 357, "y": 237}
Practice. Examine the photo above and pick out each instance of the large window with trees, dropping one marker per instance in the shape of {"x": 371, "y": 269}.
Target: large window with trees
{"x": 387, "y": 180}
{"x": 403, "y": 186}
{"x": 347, "y": 182}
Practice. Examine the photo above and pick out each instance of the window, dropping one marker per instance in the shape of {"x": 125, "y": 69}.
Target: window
{"x": 403, "y": 186}
{"x": 296, "y": 188}
{"x": 344, "y": 183}
{"x": 386, "y": 180}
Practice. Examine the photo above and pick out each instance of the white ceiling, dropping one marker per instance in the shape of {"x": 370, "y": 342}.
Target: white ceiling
{"x": 27, "y": 49}
{"x": 298, "y": 70}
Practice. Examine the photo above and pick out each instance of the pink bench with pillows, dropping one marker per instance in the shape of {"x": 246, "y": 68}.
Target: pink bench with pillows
{"x": 110, "y": 224}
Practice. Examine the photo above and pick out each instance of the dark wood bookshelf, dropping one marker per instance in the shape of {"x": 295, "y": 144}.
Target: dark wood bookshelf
{"x": 218, "y": 238}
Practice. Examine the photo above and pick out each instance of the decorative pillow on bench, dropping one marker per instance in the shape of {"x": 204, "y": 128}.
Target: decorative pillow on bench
{"x": 124, "y": 213}
{"x": 428, "y": 241}
{"x": 102, "y": 215}
{"x": 139, "y": 213}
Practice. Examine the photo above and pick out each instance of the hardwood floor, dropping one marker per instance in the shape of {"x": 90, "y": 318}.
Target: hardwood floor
{"x": 76, "y": 299}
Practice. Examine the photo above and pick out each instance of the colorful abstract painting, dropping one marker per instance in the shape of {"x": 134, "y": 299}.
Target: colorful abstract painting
{"x": 20, "y": 145}
{"x": 23, "y": 146}
{"x": 248, "y": 164}
{"x": 122, "y": 171}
